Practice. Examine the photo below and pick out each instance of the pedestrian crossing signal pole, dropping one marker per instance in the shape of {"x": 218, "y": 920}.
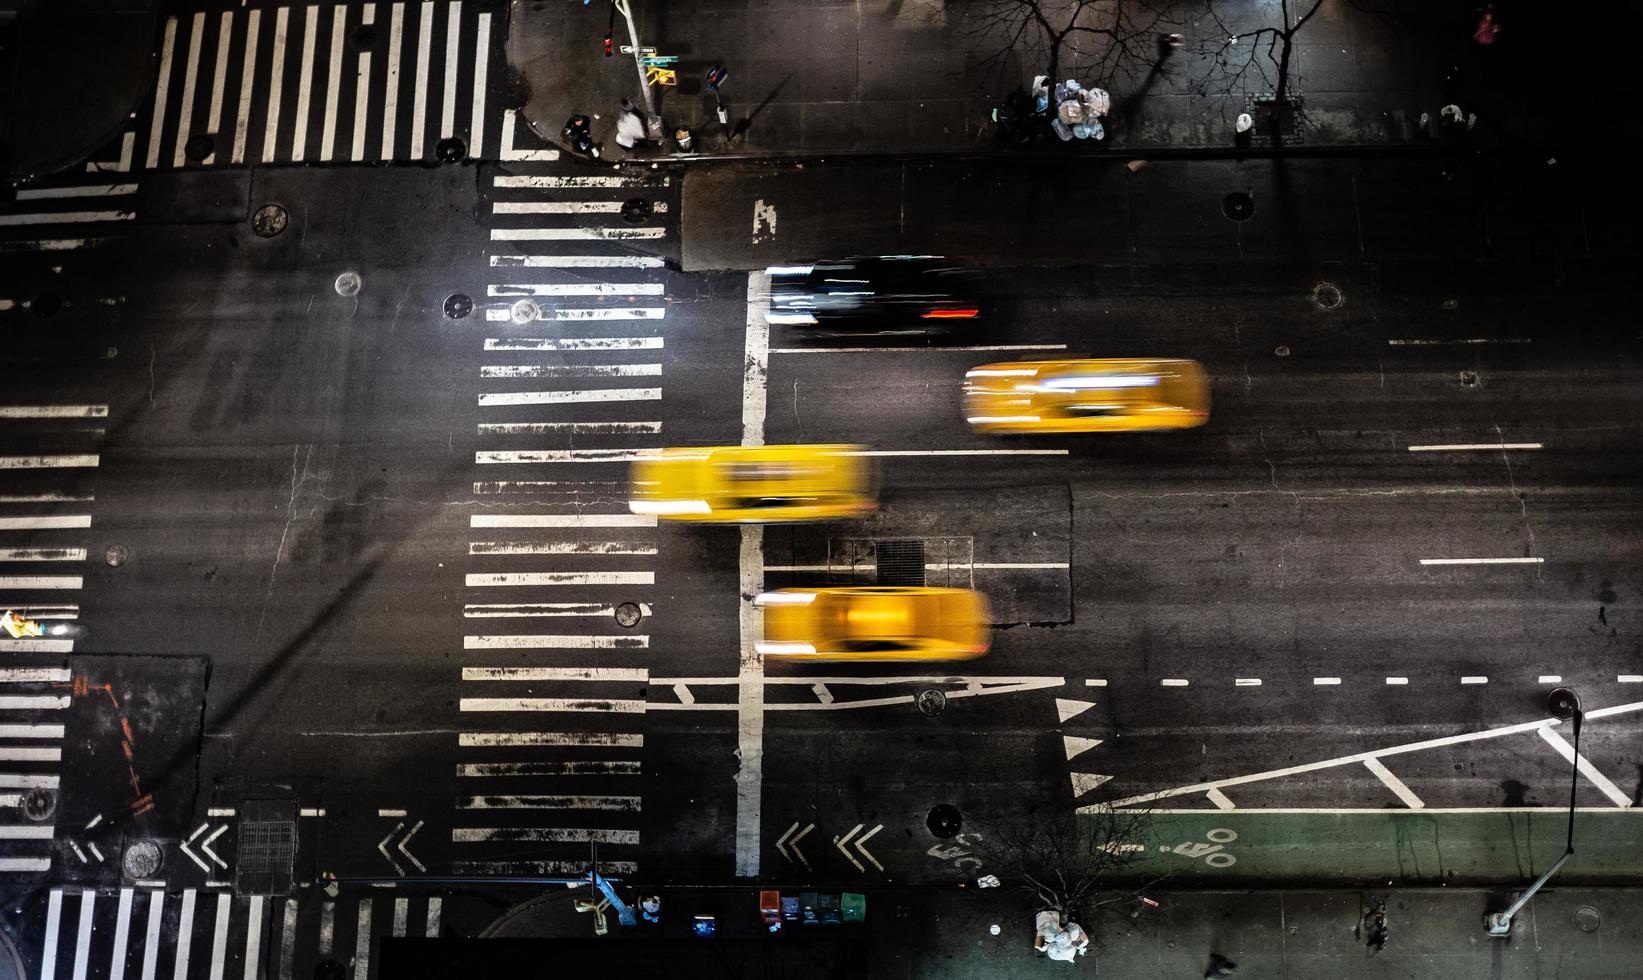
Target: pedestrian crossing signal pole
{"x": 716, "y": 77}
{"x": 653, "y": 122}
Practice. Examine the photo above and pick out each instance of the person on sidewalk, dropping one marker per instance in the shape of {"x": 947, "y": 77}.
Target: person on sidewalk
{"x": 1219, "y": 966}
{"x": 630, "y": 130}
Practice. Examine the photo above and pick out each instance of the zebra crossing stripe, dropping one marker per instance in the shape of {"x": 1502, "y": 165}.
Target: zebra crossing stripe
{"x": 151, "y": 937}
{"x": 419, "y": 104}
{"x": 219, "y": 75}
{"x": 390, "y": 103}
{"x": 190, "y": 76}
{"x": 271, "y": 126}
{"x": 512, "y": 579}
{"x": 606, "y": 674}
{"x": 219, "y": 936}
{"x": 185, "y": 936}
{"x": 54, "y": 922}
{"x": 561, "y": 397}
{"x": 82, "y": 941}
{"x": 548, "y": 835}
{"x": 574, "y": 343}
{"x": 476, "y": 136}
{"x": 621, "y": 740}
{"x": 253, "y": 939}
{"x": 362, "y": 942}
{"x": 611, "y": 767}
{"x": 288, "y": 940}
{"x": 305, "y": 84}
{"x": 248, "y": 76}
{"x": 362, "y": 89}
{"x": 447, "y": 118}
{"x": 561, "y": 520}
{"x": 617, "y": 705}
{"x": 435, "y": 907}
{"x": 122, "y": 936}
{"x": 328, "y": 130}
{"x": 168, "y": 48}
{"x": 577, "y": 261}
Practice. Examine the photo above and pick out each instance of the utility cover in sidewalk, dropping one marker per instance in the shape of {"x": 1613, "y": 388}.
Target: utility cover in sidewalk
{"x": 901, "y": 562}
{"x": 944, "y": 821}
{"x": 1238, "y": 206}
{"x": 266, "y": 850}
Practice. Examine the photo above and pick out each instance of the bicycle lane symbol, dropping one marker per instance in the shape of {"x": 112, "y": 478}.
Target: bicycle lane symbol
{"x": 1213, "y": 852}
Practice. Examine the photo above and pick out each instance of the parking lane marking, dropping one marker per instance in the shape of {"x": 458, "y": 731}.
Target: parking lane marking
{"x": 1482, "y": 561}
{"x": 1591, "y": 772}
{"x": 1393, "y": 783}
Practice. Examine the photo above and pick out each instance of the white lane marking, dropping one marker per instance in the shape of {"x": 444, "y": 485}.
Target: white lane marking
{"x": 185, "y": 935}
{"x": 562, "y": 739}
{"x": 570, "y": 371}
{"x": 362, "y": 89}
{"x": 305, "y": 83}
{"x": 575, "y": 289}
{"x": 622, "y": 804}
{"x": 556, "y": 548}
{"x": 567, "y": 207}
{"x": 419, "y": 101}
{"x": 151, "y": 935}
{"x": 576, "y": 234}
{"x": 40, "y": 581}
{"x": 333, "y": 88}
{"x": 913, "y": 350}
{"x": 562, "y": 520}
{"x": 566, "y": 344}
{"x": 1470, "y": 340}
{"x": 574, "y": 428}
{"x": 629, "y": 179}
{"x": 390, "y": 101}
{"x": 327, "y": 927}
{"x": 253, "y": 940}
{"x": 600, "y": 488}
{"x": 402, "y": 913}
{"x": 390, "y": 812}
{"x": 156, "y": 122}
{"x": 1584, "y": 765}
{"x": 555, "y": 641}
{"x": 1095, "y": 682}
{"x": 1174, "y": 682}
{"x": 553, "y": 835}
{"x": 1482, "y": 561}
{"x": 561, "y": 578}
{"x": 248, "y": 76}
{"x": 1246, "y": 682}
{"x": 46, "y": 498}
{"x": 504, "y": 456}
{"x": 42, "y": 554}
{"x": 453, "y": 38}
{"x": 956, "y": 452}
{"x": 1549, "y": 679}
{"x": 48, "y": 952}
{"x": 595, "y": 674}
{"x": 219, "y": 76}
{"x": 190, "y": 77}
{"x": 1629, "y": 679}
{"x": 1474, "y": 679}
{"x": 483, "y": 610}
{"x": 750, "y": 704}
{"x": 51, "y": 244}
{"x": 482, "y": 57}
{"x": 78, "y": 190}
{"x": 1469, "y": 446}
{"x": 1393, "y": 783}
{"x": 574, "y": 396}
{"x": 25, "y": 864}
{"x": 44, "y": 523}
{"x": 1325, "y": 681}
{"x": 617, "y": 705}
{"x": 31, "y": 731}
{"x": 362, "y": 942}
{"x": 1221, "y": 800}
{"x": 510, "y": 152}
{"x": 539, "y": 868}
{"x": 611, "y": 313}
{"x": 65, "y": 217}
{"x": 10, "y": 754}
{"x": 1397, "y": 681}
{"x": 276, "y": 84}
{"x": 31, "y": 832}
{"x": 36, "y": 646}
{"x": 577, "y": 261}
{"x": 82, "y": 940}
{"x": 608, "y": 767}
{"x": 435, "y": 906}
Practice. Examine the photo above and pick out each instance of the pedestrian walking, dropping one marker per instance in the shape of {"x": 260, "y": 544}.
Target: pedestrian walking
{"x": 578, "y": 132}
{"x": 1375, "y": 927}
{"x": 1487, "y": 28}
{"x": 1219, "y": 966}
{"x": 630, "y": 130}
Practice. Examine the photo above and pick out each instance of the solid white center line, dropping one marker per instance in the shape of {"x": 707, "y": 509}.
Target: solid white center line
{"x": 1480, "y": 446}
{"x": 1482, "y": 561}
{"x": 1393, "y": 783}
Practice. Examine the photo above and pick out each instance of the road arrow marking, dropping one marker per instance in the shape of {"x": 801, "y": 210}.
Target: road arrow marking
{"x": 862, "y": 841}
{"x": 1083, "y": 782}
{"x": 841, "y": 842}
{"x": 191, "y": 855}
{"x": 1076, "y": 746}
{"x": 400, "y": 847}
{"x": 1067, "y": 708}
{"x": 794, "y": 843}
{"x": 382, "y": 848}
{"x": 781, "y": 845}
{"x": 206, "y": 847}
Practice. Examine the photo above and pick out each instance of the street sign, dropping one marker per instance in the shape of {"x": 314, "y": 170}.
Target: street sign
{"x": 660, "y": 60}
{"x": 661, "y": 76}
{"x": 716, "y": 77}
{"x": 628, "y": 49}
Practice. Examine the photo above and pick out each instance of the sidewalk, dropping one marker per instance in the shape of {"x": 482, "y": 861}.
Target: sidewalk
{"x": 813, "y": 77}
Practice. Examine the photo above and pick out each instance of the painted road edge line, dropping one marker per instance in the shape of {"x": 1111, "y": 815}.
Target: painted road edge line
{"x": 1483, "y": 561}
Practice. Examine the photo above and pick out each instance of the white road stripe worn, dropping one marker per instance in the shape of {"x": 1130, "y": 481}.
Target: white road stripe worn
{"x": 42, "y": 554}
{"x": 555, "y": 835}
{"x": 185, "y": 935}
{"x": 362, "y": 89}
{"x": 561, "y": 578}
{"x": 563, "y": 739}
{"x": 577, "y": 261}
{"x": 1584, "y": 765}
{"x": 1420, "y": 342}
{"x": 617, "y": 706}
{"x": 390, "y": 100}
{"x": 1394, "y": 784}
{"x": 555, "y": 548}
{"x": 219, "y": 935}
{"x": 575, "y": 289}
{"x": 570, "y": 370}
{"x": 276, "y": 84}
{"x": 64, "y": 217}
{"x": 162, "y": 87}
{"x": 1469, "y": 446}
{"x": 253, "y": 940}
{"x": 45, "y": 522}
{"x": 575, "y": 488}
{"x": 36, "y": 675}
{"x": 574, "y": 428}
{"x": 482, "y": 58}
{"x": 82, "y": 940}
{"x": 248, "y": 75}
{"x": 567, "y": 207}
{"x": 561, "y": 520}
{"x": 27, "y": 864}
{"x": 637, "y": 674}
{"x": 489, "y": 610}
{"x": 36, "y": 646}
{"x": 1482, "y": 561}
{"x": 453, "y": 38}
{"x": 333, "y": 88}
{"x": 750, "y": 704}
{"x": 362, "y": 941}
{"x": 225, "y": 36}
{"x": 419, "y": 101}
{"x": 402, "y": 913}
{"x": 41, "y": 581}
{"x": 628, "y": 179}
{"x": 555, "y": 641}
{"x": 77, "y": 190}
{"x": 609, "y": 767}
{"x": 53, "y": 411}
{"x": 624, "y": 804}
{"x": 502, "y": 456}
{"x": 573, "y": 396}
{"x": 26, "y": 832}
{"x": 572, "y": 343}
{"x": 576, "y": 234}
{"x": 1220, "y": 799}
{"x": 305, "y": 82}
{"x": 151, "y": 936}
{"x": 60, "y": 461}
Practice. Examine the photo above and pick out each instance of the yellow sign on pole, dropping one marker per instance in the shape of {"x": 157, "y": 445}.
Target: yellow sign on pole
{"x": 661, "y": 76}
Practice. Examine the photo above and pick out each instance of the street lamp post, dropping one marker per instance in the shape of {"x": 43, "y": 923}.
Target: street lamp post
{"x": 1564, "y": 704}
{"x": 653, "y": 122}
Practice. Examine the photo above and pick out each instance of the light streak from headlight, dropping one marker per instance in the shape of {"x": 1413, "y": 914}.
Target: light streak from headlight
{"x": 802, "y": 319}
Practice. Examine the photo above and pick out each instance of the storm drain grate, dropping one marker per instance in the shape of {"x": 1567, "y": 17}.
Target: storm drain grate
{"x": 266, "y": 850}
{"x": 901, "y": 562}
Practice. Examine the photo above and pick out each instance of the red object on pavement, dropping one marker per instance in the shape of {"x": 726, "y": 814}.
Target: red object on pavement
{"x": 950, "y": 315}
{"x": 608, "y": 51}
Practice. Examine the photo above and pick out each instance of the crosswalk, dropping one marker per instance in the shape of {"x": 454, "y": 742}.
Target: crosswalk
{"x": 150, "y": 933}
{"x": 61, "y": 214}
{"x": 321, "y": 83}
{"x": 46, "y": 496}
{"x": 559, "y": 575}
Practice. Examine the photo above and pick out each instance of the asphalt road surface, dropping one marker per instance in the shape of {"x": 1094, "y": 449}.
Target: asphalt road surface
{"x": 348, "y": 579}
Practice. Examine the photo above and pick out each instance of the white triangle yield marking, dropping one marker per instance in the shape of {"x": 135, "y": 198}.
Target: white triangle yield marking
{"x": 1067, "y": 708}
{"x": 1083, "y": 782}
{"x": 1076, "y": 746}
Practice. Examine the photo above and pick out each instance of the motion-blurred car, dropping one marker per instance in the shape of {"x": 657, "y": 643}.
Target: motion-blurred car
{"x": 874, "y": 623}
{"x": 1107, "y": 395}
{"x": 907, "y": 293}
{"x": 750, "y": 484}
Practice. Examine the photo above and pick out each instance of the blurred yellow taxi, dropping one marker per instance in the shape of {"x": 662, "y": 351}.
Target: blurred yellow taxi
{"x": 874, "y": 623}
{"x": 1107, "y": 395}
{"x": 753, "y": 484}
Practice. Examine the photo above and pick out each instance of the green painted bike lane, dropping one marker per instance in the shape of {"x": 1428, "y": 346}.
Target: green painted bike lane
{"x": 1234, "y": 848}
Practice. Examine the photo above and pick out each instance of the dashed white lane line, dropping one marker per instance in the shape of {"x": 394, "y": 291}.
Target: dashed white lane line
{"x": 577, "y": 262}
{"x": 554, "y": 641}
{"x": 1550, "y": 679}
{"x": 622, "y": 740}
{"x": 552, "y": 548}
{"x": 1482, "y": 561}
{"x": 638, "y": 674}
{"x": 1095, "y": 682}
{"x": 1393, "y": 783}
{"x": 1477, "y": 446}
{"x": 1591, "y": 772}
{"x": 1173, "y": 682}
{"x": 1629, "y": 679}
{"x": 1397, "y": 681}
{"x": 914, "y": 350}
{"x": 570, "y": 371}
{"x": 503, "y": 456}
{"x": 1246, "y": 682}
{"x": 566, "y": 705}
{"x": 547, "y": 835}
{"x": 573, "y": 343}
{"x": 1422, "y": 342}
{"x": 510, "y": 290}
{"x": 570, "y": 397}
{"x": 561, "y": 520}
{"x": 495, "y": 610}
{"x": 1474, "y": 679}
{"x": 1326, "y": 681}
{"x": 561, "y": 578}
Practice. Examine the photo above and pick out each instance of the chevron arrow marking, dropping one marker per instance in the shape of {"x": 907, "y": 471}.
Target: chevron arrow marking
{"x": 781, "y": 845}
{"x": 400, "y": 847}
{"x": 191, "y": 855}
{"x": 861, "y": 846}
{"x": 840, "y": 843}
{"x": 205, "y": 847}
{"x": 382, "y": 848}
{"x": 794, "y": 843}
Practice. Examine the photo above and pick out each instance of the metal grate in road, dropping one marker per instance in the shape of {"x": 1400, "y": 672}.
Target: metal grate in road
{"x": 900, "y": 561}
{"x": 266, "y": 849}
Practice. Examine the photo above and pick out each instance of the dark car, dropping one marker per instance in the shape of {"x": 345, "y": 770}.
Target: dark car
{"x": 901, "y": 292}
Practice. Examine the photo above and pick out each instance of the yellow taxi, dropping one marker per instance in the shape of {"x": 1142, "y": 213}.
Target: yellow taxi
{"x": 874, "y": 623}
{"x": 747, "y": 484}
{"x": 1087, "y": 395}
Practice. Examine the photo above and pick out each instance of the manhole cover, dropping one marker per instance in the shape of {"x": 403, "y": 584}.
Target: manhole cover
{"x": 116, "y": 555}
{"x": 1282, "y": 350}
{"x": 944, "y": 820}
{"x": 451, "y": 150}
{"x": 636, "y": 211}
{"x": 39, "y": 805}
{"x": 199, "y": 147}
{"x": 1238, "y": 206}
{"x": 1327, "y": 296}
{"x": 269, "y": 220}
{"x": 329, "y": 970}
{"x": 1468, "y": 379}
{"x": 458, "y": 305}
{"x": 1588, "y": 918}
{"x": 46, "y": 304}
{"x": 141, "y": 859}
{"x": 348, "y": 284}
{"x": 525, "y": 311}
{"x": 628, "y": 614}
{"x": 931, "y": 702}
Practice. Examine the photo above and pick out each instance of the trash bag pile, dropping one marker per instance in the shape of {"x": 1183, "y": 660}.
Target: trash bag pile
{"x": 1078, "y": 110}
